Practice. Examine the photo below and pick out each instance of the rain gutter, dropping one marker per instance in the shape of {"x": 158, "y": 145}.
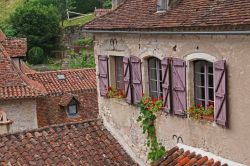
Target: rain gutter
{"x": 247, "y": 32}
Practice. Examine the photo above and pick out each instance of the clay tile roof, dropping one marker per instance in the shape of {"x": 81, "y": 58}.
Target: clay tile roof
{"x": 13, "y": 83}
{"x": 16, "y": 47}
{"x": 187, "y": 15}
{"x": 179, "y": 157}
{"x": 84, "y": 143}
{"x": 66, "y": 81}
{"x": 66, "y": 99}
{"x": 2, "y": 36}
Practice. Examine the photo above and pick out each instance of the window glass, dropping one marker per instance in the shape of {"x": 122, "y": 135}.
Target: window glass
{"x": 119, "y": 73}
{"x": 155, "y": 77}
{"x": 72, "y": 110}
{"x": 204, "y": 92}
{"x": 200, "y": 79}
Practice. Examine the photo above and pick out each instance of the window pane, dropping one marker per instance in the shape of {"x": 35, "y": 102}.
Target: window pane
{"x": 152, "y": 63}
{"x": 210, "y": 68}
{"x": 72, "y": 109}
{"x": 210, "y": 80}
{"x": 200, "y": 67}
{"x": 153, "y": 85}
{"x": 200, "y": 93}
{"x": 199, "y": 79}
{"x": 211, "y": 94}
{"x": 119, "y": 72}
{"x": 152, "y": 74}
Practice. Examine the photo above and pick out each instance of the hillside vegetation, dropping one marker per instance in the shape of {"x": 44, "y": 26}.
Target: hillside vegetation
{"x": 7, "y": 7}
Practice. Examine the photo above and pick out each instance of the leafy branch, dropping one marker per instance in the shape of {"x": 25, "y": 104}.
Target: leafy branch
{"x": 148, "y": 108}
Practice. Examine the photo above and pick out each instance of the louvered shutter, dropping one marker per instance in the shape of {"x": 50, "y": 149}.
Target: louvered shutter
{"x": 103, "y": 74}
{"x": 220, "y": 110}
{"x": 126, "y": 76}
{"x": 178, "y": 68}
{"x": 136, "y": 79}
{"x": 165, "y": 84}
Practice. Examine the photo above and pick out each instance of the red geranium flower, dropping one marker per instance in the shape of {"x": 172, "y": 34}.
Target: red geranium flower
{"x": 109, "y": 88}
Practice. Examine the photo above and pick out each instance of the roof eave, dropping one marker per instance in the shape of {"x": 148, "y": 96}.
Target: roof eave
{"x": 240, "y": 32}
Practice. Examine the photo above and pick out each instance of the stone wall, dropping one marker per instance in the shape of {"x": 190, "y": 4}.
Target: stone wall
{"x": 22, "y": 112}
{"x": 49, "y": 111}
{"x": 120, "y": 118}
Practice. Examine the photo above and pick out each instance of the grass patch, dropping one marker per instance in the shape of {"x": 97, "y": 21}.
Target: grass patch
{"x": 79, "y": 20}
{"x": 7, "y": 7}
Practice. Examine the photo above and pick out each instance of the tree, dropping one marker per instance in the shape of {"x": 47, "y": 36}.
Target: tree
{"x": 61, "y": 5}
{"x": 39, "y": 23}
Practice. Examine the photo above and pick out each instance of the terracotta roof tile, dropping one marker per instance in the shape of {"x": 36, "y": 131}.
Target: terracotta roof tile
{"x": 70, "y": 81}
{"x": 141, "y": 15}
{"x": 13, "y": 83}
{"x": 2, "y": 36}
{"x": 179, "y": 157}
{"x": 65, "y": 100}
{"x": 16, "y": 47}
{"x": 66, "y": 144}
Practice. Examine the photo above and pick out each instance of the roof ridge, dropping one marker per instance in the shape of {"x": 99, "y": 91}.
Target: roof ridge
{"x": 64, "y": 70}
{"x": 51, "y": 128}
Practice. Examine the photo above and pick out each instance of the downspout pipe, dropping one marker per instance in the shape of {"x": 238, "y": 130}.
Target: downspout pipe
{"x": 171, "y": 32}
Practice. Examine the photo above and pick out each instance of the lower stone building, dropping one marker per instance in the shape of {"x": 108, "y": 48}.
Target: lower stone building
{"x": 71, "y": 96}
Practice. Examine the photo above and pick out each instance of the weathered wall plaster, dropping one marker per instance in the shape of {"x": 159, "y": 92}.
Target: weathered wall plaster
{"x": 22, "y": 112}
{"x": 232, "y": 143}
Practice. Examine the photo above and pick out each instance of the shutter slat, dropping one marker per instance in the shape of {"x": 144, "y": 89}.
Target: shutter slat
{"x": 220, "y": 108}
{"x": 103, "y": 74}
{"x": 126, "y": 77}
{"x": 165, "y": 84}
{"x": 178, "y": 68}
{"x": 136, "y": 79}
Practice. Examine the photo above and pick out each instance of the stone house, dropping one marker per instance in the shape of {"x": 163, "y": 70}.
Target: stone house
{"x": 190, "y": 53}
{"x": 71, "y": 96}
{"x": 29, "y": 99}
{"x": 17, "y": 93}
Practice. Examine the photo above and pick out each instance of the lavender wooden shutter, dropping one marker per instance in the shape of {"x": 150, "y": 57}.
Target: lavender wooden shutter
{"x": 165, "y": 84}
{"x": 136, "y": 79}
{"x": 179, "y": 86}
{"x": 103, "y": 74}
{"x": 126, "y": 76}
{"x": 220, "y": 110}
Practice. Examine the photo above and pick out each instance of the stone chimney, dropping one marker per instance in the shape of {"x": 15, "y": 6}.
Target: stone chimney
{"x": 4, "y": 123}
{"x": 117, "y": 3}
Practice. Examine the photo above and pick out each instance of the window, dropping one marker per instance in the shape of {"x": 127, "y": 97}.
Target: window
{"x": 72, "y": 108}
{"x": 204, "y": 88}
{"x": 155, "y": 78}
{"x": 119, "y": 73}
{"x": 162, "y": 5}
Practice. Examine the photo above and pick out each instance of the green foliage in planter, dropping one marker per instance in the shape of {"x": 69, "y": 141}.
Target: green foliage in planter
{"x": 114, "y": 93}
{"x": 148, "y": 109}
{"x": 197, "y": 112}
{"x": 36, "y": 56}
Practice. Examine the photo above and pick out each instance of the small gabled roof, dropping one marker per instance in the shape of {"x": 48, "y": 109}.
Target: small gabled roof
{"x": 66, "y": 99}
{"x": 15, "y": 47}
{"x": 82, "y": 143}
{"x": 187, "y": 15}
{"x": 13, "y": 83}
